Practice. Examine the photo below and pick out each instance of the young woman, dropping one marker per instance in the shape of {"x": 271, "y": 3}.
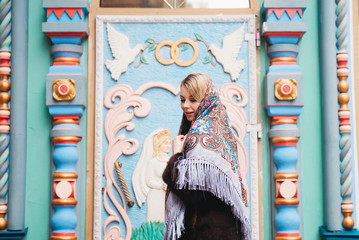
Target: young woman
{"x": 206, "y": 198}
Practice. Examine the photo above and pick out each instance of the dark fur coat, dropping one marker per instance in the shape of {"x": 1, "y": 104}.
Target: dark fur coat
{"x": 206, "y": 216}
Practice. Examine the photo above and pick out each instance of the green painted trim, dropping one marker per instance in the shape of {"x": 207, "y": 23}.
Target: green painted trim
{"x": 266, "y": 197}
{"x": 37, "y": 208}
{"x": 311, "y": 127}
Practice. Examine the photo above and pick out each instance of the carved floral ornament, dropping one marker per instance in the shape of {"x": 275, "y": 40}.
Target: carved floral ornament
{"x": 285, "y": 89}
{"x": 124, "y": 55}
{"x": 111, "y": 212}
{"x": 233, "y": 96}
{"x": 64, "y": 89}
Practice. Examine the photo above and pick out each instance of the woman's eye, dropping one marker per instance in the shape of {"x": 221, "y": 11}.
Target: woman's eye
{"x": 182, "y": 100}
{"x": 193, "y": 100}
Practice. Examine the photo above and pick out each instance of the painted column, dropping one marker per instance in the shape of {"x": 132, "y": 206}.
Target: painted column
{"x": 5, "y": 69}
{"x": 337, "y": 175}
{"x": 344, "y": 115}
{"x": 66, "y": 100}
{"x": 17, "y": 165}
{"x": 330, "y": 134}
{"x": 283, "y": 27}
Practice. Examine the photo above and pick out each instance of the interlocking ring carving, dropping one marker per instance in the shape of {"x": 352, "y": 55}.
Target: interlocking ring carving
{"x": 175, "y": 52}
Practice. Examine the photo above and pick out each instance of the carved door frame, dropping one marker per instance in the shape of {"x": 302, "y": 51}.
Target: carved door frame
{"x": 96, "y": 11}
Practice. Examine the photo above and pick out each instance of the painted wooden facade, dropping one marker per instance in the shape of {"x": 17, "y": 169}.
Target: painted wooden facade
{"x": 78, "y": 113}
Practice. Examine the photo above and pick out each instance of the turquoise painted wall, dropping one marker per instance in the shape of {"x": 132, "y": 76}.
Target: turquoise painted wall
{"x": 310, "y": 170}
{"x": 39, "y": 125}
{"x": 310, "y": 125}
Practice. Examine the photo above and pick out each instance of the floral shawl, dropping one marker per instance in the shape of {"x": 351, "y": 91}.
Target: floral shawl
{"x": 209, "y": 163}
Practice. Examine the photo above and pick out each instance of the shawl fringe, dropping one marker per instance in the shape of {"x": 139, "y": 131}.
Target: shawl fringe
{"x": 198, "y": 174}
{"x": 174, "y": 224}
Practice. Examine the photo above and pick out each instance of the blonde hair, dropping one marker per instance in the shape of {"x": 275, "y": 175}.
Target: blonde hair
{"x": 158, "y": 139}
{"x": 196, "y": 84}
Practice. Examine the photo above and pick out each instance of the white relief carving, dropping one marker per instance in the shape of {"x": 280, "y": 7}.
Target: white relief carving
{"x": 227, "y": 55}
{"x": 119, "y": 99}
{"x": 238, "y": 120}
{"x": 113, "y": 233}
{"x": 97, "y": 202}
{"x": 122, "y": 52}
{"x": 147, "y": 179}
{"x": 175, "y": 18}
{"x": 253, "y": 156}
{"x": 253, "y": 136}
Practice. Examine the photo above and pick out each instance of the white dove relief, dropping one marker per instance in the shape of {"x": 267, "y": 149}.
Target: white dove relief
{"x": 121, "y": 51}
{"x": 227, "y": 55}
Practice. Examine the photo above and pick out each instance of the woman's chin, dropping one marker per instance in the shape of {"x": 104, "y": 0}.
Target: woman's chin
{"x": 189, "y": 118}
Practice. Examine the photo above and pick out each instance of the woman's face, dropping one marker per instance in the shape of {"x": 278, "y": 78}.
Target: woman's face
{"x": 165, "y": 146}
{"x": 189, "y": 105}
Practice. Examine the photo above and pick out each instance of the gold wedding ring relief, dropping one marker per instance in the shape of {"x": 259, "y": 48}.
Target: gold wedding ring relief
{"x": 175, "y": 52}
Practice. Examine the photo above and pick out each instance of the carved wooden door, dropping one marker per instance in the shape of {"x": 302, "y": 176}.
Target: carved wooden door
{"x": 140, "y": 62}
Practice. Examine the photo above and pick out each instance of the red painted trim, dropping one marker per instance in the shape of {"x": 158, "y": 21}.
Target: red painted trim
{"x": 284, "y": 63}
{"x": 4, "y": 121}
{"x": 290, "y": 11}
{"x": 66, "y": 34}
{"x": 63, "y": 234}
{"x": 60, "y": 11}
{"x": 65, "y": 63}
{"x": 285, "y": 144}
{"x": 66, "y": 117}
{"x": 284, "y": 117}
{"x": 288, "y": 234}
{"x": 283, "y": 34}
{"x": 65, "y": 142}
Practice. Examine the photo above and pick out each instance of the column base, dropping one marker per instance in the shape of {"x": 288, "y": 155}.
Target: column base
{"x": 324, "y": 234}
{"x": 20, "y": 234}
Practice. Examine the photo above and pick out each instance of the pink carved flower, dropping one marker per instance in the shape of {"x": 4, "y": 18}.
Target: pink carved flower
{"x": 207, "y": 103}
{"x": 196, "y": 124}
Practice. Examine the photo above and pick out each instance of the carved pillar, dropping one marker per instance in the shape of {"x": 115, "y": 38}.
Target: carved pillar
{"x": 344, "y": 115}
{"x": 5, "y": 69}
{"x": 337, "y": 177}
{"x": 283, "y": 27}
{"x": 66, "y": 100}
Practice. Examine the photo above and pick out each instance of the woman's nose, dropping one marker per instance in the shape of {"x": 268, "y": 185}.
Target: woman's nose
{"x": 185, "y": 104}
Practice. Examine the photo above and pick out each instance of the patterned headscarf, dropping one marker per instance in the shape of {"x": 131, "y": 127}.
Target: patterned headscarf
{"x": 209, "y": 163}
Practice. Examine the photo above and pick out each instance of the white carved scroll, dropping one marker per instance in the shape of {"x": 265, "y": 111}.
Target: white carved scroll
{"x": 235, "y": 98}
{"x": 119, "y": 99}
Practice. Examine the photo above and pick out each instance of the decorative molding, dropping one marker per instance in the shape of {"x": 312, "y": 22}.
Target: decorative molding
{"x": 65, "y": 99}
{"x": 5, "y": 70}
{"x": 284, "y": 100}
{"x": 226, "y": 56}
{"x": 285, "y": 89}
{"x": 64, "y": 89}
{"x": 253, "y": 161}
{"x": 173, "y": 19}
{"x": 344, "y": 113}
